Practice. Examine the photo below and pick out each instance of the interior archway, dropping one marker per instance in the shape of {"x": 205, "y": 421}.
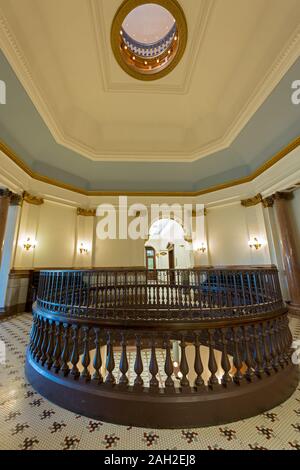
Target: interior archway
{"x": 172, "y": 249}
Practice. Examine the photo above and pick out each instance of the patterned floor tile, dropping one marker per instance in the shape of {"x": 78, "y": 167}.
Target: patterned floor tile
{"x": 28, "y": 421}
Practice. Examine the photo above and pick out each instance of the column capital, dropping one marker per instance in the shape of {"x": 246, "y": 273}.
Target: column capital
{"x": 283, "y": 195}
{"x": 86, "y": 212}
{"x": 16, "y": 199}
{"x": 5, "y": 192}
{"x": 195, "y": 213}
{"x": 268, "y": 201}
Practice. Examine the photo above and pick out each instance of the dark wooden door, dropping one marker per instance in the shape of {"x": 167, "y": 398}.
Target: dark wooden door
{"x": 171, "y": 265}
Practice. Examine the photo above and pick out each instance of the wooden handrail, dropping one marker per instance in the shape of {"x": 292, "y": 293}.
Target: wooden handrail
{"x": 232, "y": 341}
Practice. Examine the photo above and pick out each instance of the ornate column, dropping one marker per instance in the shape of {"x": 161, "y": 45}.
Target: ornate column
{"x": 289, "y": 251}
{"x": 5, "y": 196}
{"x": 15, "y": 202}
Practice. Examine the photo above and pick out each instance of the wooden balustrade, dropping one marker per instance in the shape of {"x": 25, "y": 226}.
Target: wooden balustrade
{"x": 103, "y": 344}
{"x": 192, "y": 293}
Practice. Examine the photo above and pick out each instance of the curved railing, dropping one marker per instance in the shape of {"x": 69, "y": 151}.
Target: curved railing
{"x": 149, "y": 50}
{"x": 166, "y": 348}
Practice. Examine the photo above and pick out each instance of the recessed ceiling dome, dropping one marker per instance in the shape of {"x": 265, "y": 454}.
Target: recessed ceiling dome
{"x": 149, "y": 24}
{"x": 148, "y": 39}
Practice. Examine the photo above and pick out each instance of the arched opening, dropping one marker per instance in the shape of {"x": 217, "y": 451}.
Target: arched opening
{"x": 172, "y": 249}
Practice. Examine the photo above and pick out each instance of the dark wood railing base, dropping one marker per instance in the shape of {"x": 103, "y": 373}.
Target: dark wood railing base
{"x": 176, "y": 410}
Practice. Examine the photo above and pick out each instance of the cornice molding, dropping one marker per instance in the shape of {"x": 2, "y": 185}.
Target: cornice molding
{"x": 86, "y": 212}
{"x": 246, "y": 179}
{"x": 17, "y": 60}
{"x": 252, "y": 201}
{"x": 34, "y": 200}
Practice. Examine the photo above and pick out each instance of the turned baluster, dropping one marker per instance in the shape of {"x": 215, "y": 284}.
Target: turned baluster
{"x": 287, "y": 339}
{"x": 97, "y": 363}
{"x": 237, "y": 361}
{"x": 249, "y": 374}
{"x": 282, "y": 359}
{"x": 86, "y": 354}
{"x": 44, "y": 346}
{"x": 57, "y": 347}
{"x": 169, "y": 383}
{"x": 266, "y": 339}
{"x": 75, "y": 352}
{"x": 34, "y": 335}
{"x": 274, "y": 346}
{"x": 41, "y": 340}
{"x": 184, "y": 367}
{"x": 50, "y": 348}
{"x": 124, "y": 362}
{"x": 110, "y": 361}
{"x": 212, "y": 364}
{"x": 37, "y": 337}
{"x": 153, "y": 366}
{"x": 198, "y": 366}
{"x": 225, "y": 363}
{"x": 65, "y": 351}
{"x": 138, "y": 365}
{"x": 259, "y": 370}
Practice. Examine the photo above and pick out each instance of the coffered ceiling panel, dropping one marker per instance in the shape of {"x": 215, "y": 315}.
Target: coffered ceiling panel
{"x": 236, "y": 54}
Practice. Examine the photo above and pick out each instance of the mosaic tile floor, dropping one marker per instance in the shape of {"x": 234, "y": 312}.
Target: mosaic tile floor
{"x": 28, "y": 421}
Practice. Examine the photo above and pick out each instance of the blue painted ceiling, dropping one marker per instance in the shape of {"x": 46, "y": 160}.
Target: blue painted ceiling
{"x": 272, "y": 127}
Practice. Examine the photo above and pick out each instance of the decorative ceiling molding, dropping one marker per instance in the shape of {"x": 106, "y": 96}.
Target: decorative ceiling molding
{"x": 20, "y": 65}
{"x": 246, "y": 179}
{"x": 34, "y": 200}
{"x": 97, "y": 16}
{"x": 252, "y": 201}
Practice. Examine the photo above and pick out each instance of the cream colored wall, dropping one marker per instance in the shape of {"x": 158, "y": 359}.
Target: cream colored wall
{"x": 120, "y": 253}
{"x": 59, "y": 231}
{"x": 53, "y": 226}
{"x": 229, "y": 229}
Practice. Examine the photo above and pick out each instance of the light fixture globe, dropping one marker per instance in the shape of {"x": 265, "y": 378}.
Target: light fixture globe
{"x": 149, "y": 38}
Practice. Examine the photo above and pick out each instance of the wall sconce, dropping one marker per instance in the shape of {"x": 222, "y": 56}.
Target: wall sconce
{"x": 28, "y": 244}
{"x": 255, "y": 243}
{"x": 83, "y": 248}
{"x": 202, "y": 248}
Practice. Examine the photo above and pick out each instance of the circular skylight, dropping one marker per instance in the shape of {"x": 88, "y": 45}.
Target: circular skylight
{"x": 148, "y": 39}
{"x": 148, "y": 23}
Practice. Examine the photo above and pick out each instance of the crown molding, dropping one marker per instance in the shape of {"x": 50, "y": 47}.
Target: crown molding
{"x": 14, "y": 54}
{"x": 246, "y": 179}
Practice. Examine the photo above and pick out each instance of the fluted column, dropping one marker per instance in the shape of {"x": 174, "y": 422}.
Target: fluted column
{"x": 5, "y": 196}
{"x": 15, "y": 201}
{"x": 289, "y": 249}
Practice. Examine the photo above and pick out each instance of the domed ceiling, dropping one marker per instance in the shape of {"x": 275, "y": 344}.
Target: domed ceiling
{"x": 74, "y": 115}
